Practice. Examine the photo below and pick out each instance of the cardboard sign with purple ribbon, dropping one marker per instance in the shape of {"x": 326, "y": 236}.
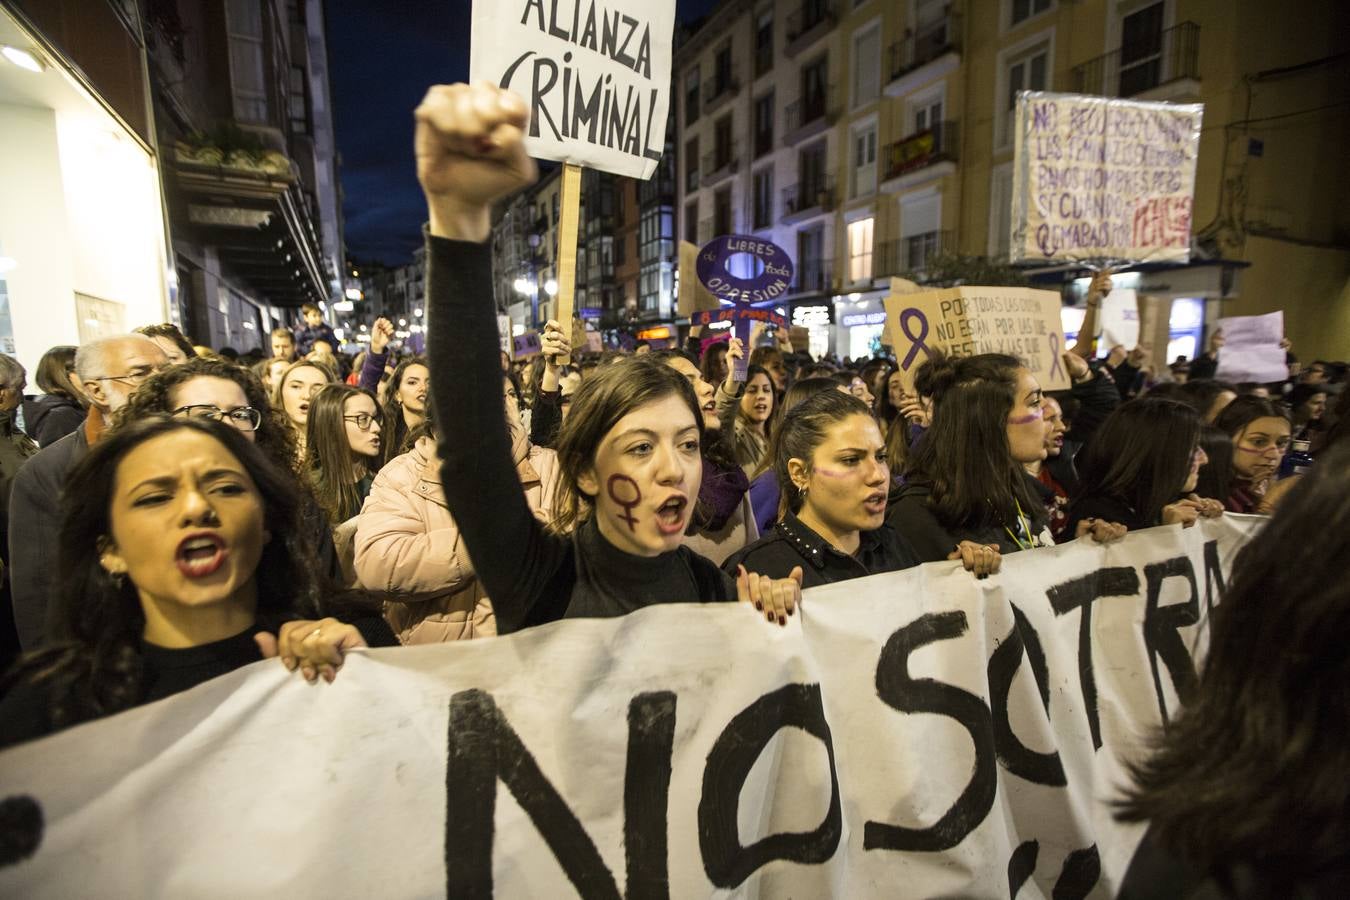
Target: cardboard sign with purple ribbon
{"x": 718, "y": 261}
{"x": 967, "y": 321}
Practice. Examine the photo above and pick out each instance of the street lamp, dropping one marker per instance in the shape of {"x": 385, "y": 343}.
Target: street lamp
{"x": 418, "y": 312}
{"x": 402, "y": 323}
{"x": 551, "y": 287}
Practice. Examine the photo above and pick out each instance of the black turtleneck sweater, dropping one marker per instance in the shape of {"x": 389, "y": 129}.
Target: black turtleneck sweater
{"x": 532, "y": 576}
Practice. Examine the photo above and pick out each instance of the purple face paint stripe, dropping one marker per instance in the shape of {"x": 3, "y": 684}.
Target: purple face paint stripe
{"x": 627, "y": 504}
{"x": 1027, "y": 419}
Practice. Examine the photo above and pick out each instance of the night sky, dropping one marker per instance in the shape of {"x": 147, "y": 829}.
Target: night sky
{"x": 384, "y": 54}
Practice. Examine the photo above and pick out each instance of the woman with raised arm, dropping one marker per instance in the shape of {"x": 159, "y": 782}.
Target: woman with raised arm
{"x": 629, "y": 454}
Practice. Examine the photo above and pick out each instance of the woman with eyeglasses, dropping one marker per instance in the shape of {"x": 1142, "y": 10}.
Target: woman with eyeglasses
{"x": 1261, "y": 433}
{"x": 219, "y": 390}
{"x": 342, "y": 448}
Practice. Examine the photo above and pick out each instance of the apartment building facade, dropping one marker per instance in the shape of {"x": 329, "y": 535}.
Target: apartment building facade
{"x": 865, "y": 137}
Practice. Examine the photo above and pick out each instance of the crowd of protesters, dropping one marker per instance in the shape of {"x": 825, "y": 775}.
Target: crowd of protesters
{"x": 173, "y": 513}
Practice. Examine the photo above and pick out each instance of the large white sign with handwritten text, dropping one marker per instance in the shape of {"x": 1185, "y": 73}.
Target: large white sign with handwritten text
{"x": 918, "y": 733}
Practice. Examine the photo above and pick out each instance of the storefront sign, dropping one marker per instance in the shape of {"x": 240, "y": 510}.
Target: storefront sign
{"x": 852, "y": 320}
{"x": 816, "y": 314}
{"x": 971, "y": 320}
{"x": 596, "y": 76}
{"x": 1103, "y": 179}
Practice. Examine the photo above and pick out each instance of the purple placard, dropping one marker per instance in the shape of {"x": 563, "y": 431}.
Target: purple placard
{"x": 527, "y": 344}
{"x": 770, "y": 284}
{"x": 737, "y": 314}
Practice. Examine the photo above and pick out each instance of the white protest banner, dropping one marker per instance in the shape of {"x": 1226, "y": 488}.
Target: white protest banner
{"x": 595, "y": 74}
{"x": 1251, "y": 349}
{"x": 1099, "y": 178}
{"x": 918, "y": 733}
{"x": 966, "y": 321}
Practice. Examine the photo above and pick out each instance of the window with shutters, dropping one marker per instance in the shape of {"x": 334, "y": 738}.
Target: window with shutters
{"x": 763, "y": 198}
{"x": 691, "y": 98}
{"x": 1000, "y": 210}
{"x": 763, "y": 125}
{"x": 860, "y": 250}
{"x": 864, "y": 168}
{"x": 866, "y": 66}
{"x": 764, "y": 43}
{"x": 248, "y": 79}
{"x": 1025, "y": 9}
{"x": 1027, "y": 69}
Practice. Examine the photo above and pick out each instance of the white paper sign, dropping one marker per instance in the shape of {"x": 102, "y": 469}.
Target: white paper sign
{"x": 595, "y": 74}
{"x": 1251, "y": 349}
{"x": 917, "y": 734}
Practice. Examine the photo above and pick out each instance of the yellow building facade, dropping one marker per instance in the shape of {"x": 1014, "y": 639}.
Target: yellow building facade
{"x": 890, "y": 140}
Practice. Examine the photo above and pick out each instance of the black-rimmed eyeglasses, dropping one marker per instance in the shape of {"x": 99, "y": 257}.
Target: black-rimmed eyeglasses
{"x": 245, "y": 418}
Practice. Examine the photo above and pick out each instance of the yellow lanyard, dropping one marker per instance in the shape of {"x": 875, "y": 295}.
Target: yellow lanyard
{"x": 1025, "y": 527}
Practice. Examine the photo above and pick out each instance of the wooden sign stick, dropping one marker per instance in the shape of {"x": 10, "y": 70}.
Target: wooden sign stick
{"x": 568, "y": 221}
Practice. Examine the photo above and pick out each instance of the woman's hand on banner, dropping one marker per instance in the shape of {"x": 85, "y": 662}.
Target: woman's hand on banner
{"x": 982, "y": 560}
{"x": 317, "y": 648}
{"x": 470, "y": 148}
{"x": 1100, "y": 531}
{"x": 1209, "y": 509}
{"x": 777, "y": 598}
{"x": 1183, "y": 513}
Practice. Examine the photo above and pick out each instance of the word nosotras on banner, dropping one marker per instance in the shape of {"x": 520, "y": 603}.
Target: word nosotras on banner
{"x": 1046, "y": 623}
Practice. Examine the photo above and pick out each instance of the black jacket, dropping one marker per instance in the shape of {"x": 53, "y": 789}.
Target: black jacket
{"x": 911, "y": 515}
{"x": 34, "y": 505}
{"x": 791, "y": 543}
{"x": 49, "y": 417}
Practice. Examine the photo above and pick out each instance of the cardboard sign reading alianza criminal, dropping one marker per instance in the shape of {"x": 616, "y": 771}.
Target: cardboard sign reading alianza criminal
{"x": 595, "y": 74}
{"x": 1097, "y": 178}
{"x": 966, "y": 321}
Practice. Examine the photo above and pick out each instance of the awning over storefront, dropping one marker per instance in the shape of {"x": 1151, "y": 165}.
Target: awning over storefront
{"x": 257, "y": 219}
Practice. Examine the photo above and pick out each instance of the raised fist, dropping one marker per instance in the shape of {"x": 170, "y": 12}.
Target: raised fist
{"x": 470, "y": 147}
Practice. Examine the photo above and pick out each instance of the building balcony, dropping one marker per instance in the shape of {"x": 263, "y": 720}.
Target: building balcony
{"x": 809, "y": 116}
{"x": 920, "y": 158}
{"x": 717, "y": 167}
{"x": 1164, "y": 66}
{"x": 807, "y": 24}
{"x": 804, "y": 200}
{"x": 810, "y": 277}
{"x": 924, "y": 55}
{"x": 721, "y": 89}
{"x": 911, "y": 254}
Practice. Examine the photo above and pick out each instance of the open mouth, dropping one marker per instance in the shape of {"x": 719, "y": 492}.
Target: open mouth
{"x": 200, "y": 555}
{"x": 710, "y": 406}
{"x": 762, "y": 408}
{"x": 670, "y": 515}
{"x": 875, "y": 504}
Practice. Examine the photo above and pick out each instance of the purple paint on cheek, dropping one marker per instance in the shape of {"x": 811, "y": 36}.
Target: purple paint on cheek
{"x": 1034, "y": 416}
{"x": 831, "y": 473}
{"x": 626, "y": 502}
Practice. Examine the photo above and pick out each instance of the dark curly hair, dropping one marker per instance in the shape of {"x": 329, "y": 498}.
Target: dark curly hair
{"x": 94, "y": 664}
{"x": 396, "y": 428}
{"x": 274, "y": 436}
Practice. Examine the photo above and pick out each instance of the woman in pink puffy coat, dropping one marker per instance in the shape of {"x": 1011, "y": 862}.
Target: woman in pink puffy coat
{"x": 408, "y": 546}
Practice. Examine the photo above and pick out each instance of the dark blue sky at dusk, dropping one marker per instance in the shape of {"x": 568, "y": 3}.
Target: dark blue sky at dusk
{"x": 383, "y": 55}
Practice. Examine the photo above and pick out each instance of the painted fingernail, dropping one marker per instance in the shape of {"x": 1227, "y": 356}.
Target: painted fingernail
{"x": 759, "y": 606}
{"x": 782, "y": 620}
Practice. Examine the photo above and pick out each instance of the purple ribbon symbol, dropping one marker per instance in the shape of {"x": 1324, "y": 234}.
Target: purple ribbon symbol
{"x": 1054, "y": 355}
{"x": 916, "y": 340}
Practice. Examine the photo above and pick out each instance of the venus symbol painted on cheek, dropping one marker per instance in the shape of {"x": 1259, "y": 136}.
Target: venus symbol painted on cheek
{"x": 626, "y": 502}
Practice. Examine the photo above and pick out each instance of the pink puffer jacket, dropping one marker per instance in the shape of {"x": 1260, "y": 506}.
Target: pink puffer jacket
{"x": 408, "y": 545}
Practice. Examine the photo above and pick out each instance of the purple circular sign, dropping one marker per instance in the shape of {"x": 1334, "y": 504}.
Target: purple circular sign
{"x": 770, "y": 284}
